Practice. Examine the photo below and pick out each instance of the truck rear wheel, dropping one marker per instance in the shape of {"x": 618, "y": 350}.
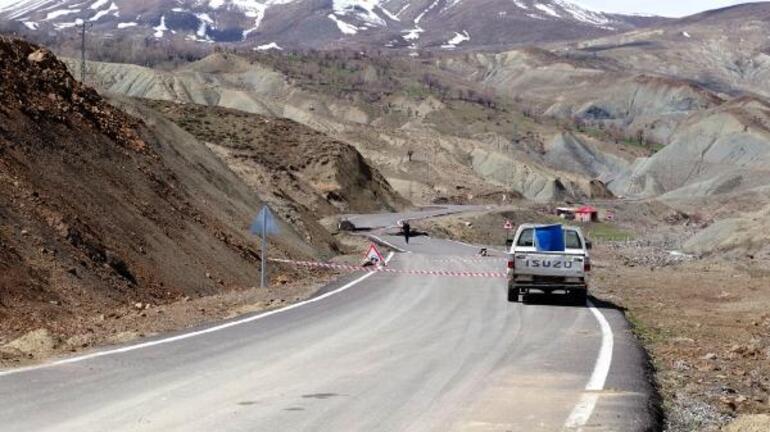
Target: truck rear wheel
{"x": 513, "y": 295}
{"x": 580, "y": 296}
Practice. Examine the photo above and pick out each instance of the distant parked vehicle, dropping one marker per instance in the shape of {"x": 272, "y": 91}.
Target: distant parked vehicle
{"x": 548, "y": 259}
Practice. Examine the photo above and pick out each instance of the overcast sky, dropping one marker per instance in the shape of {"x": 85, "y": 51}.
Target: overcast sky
{"x": 672, "y": 8}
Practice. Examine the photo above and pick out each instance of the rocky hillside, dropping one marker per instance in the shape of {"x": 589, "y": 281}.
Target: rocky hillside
{"x": 724, "y": 50}
{"x": 462, "y": 142}
{"x": 716, "y": 152}
{"x": 302, "y": 173}
{"x": 100, "y": 209}
{"x": 405, "y": 25}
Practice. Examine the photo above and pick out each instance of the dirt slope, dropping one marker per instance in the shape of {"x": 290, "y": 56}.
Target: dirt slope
{"x": 100, "y": 210}
{"x": 714, "y": 152}
{"x": 304, "y": 174}
{"x": 462, "y": 141}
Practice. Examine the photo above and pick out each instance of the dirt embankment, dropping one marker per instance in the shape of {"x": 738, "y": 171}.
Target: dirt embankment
{"x": 305, "y": 175}
{"x": 707, "y": 327}
{"x": 104, "y": 218}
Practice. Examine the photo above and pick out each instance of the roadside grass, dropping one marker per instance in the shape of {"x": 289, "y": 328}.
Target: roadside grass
{"x": 607, "y": 232}
{"x": 649, "y": 335}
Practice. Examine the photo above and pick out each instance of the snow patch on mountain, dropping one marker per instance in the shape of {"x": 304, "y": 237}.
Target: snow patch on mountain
{"x": 205, "y": 20}
{"x": 59, "y": 13}
{"x": 450, "y": 4}
{"x": 67, "y": 25}
{"x": 413, "y": 34}
{"x": 457, "y": 40}
{"x": 582, "y": 14}
{"x": 548, "y": 10}
{"x": 403, "y": 9}
{"x": 431, "y": 22}
{"x": 423, "y": 13}
{"x": 520, "y": 4}
{"x": 98, "y": 4}
{"x": 344, "y": 27}
{"x": 18, "y": 9}
{"x": 361, "y": 9}
{"x": 251, "y": 8}
{"x": 113, "y": 8}
{"x": 161, "y": 28}
{"x": 270, "y": 46}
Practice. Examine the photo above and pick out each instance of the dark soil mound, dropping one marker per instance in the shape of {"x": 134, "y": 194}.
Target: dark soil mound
{"x": 99, "y": 210}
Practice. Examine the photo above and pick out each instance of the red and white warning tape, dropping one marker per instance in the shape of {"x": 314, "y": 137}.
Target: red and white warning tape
{"x": 373, "y": 269}
{"x": 469, "y": 260}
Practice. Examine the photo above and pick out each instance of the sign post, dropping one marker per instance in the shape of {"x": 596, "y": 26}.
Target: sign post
{"x": 508, "y": 227}
{"x": 263, "y": 272}
{"x": 263, "y": 226}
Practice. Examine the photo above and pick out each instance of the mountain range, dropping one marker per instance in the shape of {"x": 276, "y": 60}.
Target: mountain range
{"x": 323, "y": 24}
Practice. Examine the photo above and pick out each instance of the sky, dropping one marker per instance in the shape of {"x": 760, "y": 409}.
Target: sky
{"x": 670, "y": 8}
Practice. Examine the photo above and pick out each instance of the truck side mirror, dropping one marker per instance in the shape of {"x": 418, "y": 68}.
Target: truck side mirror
{"x": 509, "y": 243}
{"x": 589, "y": 244}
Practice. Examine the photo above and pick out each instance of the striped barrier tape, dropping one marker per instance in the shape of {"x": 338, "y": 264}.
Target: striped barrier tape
{"x": 373, "y": 269}
{"x": 469, "y": 260}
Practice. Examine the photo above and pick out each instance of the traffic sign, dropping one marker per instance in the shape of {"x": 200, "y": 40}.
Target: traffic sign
{"x": 264, "y": 223}
{"x": 373, "y": 256}
{"x": 508, "y": 225}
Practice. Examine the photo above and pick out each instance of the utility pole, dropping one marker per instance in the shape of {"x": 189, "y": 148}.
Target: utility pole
{"x": 82, "y": 25}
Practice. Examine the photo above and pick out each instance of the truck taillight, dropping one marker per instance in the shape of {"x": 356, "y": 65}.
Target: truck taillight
{"x": 587, "y": 265}
{"x": 511, "y": 264}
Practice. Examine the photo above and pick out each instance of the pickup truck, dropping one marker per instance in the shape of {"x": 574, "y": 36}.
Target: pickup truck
{"x": 530, "y": 269}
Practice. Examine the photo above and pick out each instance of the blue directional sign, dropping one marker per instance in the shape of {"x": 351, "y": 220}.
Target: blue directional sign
{"x": 264, "y": 223}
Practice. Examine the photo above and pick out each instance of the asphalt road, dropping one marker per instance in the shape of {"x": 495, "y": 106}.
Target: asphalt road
{"x": 383, "y": 352}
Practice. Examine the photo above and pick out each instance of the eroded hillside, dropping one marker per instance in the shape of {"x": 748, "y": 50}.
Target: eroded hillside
{"x": 302, "y": 173}
{"x": 432, "y": 135}
{"x": 102, "y": 211}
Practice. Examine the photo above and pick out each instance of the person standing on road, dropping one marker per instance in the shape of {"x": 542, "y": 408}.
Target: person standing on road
{"x": 407, "y": 231}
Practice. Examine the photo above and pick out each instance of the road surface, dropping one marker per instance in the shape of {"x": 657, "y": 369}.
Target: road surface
{"x": 378, "y": 352}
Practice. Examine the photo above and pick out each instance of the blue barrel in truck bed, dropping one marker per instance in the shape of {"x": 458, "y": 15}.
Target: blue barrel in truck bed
{"x": 550, "y": 238}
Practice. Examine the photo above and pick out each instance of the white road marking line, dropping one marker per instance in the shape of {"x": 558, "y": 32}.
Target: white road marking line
{"x": 191, "y": 334}
{"x": 582, "y": 412}
{"x": 462, "y": 243}
{"x": 389, "y": 244}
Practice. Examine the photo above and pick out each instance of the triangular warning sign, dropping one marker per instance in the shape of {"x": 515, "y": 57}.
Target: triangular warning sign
{"x": 374, "y": 257}
{"x": 508, "y": 225}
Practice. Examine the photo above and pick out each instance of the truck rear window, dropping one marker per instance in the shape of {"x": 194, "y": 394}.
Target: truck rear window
{"x": 527, "y": 238}
{"x": 571, "y": 239}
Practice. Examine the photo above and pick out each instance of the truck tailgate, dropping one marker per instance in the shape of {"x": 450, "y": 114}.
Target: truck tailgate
{"x": 549, "y": 264}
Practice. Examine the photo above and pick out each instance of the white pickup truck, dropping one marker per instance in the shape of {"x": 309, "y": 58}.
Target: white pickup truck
{"x": 532, "y": 270}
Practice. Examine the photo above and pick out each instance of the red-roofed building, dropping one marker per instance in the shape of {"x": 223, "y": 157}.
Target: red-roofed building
{"x": 587, "y": 214}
